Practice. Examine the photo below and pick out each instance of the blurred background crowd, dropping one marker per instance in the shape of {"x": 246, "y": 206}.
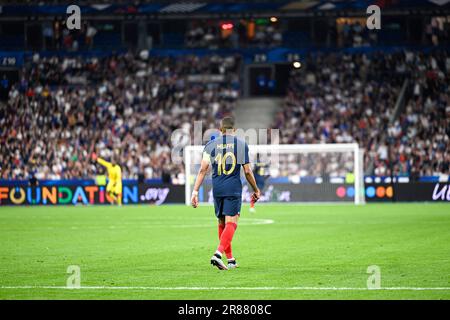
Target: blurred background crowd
{"x": 63, "y": 109}
{"x": 121, "y": 86}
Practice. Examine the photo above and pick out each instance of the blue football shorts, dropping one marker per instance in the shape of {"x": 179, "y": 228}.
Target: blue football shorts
{"x": 227, "y": 206}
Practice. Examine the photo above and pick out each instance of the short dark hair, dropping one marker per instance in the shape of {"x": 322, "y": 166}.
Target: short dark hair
{"x": 227, "y": 123}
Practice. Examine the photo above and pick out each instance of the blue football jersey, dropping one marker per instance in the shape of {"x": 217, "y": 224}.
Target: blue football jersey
{"x": 226, "y": 154}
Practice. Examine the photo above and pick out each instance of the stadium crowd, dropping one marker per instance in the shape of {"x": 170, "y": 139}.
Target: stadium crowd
{"x": 347, "y": 98}
{"x": 124, "y": 106}
{"x": 127, "y": 106}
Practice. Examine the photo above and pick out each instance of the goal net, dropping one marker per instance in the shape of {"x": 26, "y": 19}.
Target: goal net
{"x": 293, "y": 173}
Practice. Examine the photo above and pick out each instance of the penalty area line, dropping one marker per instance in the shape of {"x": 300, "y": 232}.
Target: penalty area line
{"x": 106, "y": 288}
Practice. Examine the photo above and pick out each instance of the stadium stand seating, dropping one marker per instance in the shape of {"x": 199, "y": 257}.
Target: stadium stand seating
{"x": 65, "y": 108}
{"x": 346, "y": 98}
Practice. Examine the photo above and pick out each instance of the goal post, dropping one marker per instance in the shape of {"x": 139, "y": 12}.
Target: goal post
{"x": 294, "y": 173}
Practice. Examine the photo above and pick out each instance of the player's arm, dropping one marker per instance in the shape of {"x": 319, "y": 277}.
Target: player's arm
{"x": 104, "y": 163}
{"x": 251, "y": 180}
{"x": 101, "y": 161}
{"x": 199, "y": 180}
{"x": 249, "y": 174}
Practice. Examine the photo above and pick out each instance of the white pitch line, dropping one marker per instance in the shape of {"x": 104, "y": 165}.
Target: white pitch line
{"x": 140, "y": 225}
{"x": 231, "y": 288}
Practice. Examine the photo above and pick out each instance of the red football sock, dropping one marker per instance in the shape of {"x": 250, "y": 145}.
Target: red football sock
{"x": 252, "y": 203}
{"x": 227, "y": 236}
{"x": 221, "y": 228}
{"x": 227, "y": 250}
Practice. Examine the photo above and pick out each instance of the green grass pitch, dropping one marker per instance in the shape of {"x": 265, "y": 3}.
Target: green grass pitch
{"x": 149, "y": 252}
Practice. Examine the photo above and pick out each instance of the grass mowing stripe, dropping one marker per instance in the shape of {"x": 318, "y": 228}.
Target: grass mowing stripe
{"x": 227, "y": 288}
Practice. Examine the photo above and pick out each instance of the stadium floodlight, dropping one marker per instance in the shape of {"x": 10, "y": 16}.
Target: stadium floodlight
{"x": 297, "y": 172}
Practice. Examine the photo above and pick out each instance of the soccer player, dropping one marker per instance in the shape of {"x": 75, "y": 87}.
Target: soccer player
{"x": 114, "y": 186}
{"x": 226, "y": 154}
{"x": 260, "y": 176}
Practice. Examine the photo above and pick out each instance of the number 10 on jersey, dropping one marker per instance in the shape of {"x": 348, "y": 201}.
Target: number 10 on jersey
{"x": 221, "y": 160}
